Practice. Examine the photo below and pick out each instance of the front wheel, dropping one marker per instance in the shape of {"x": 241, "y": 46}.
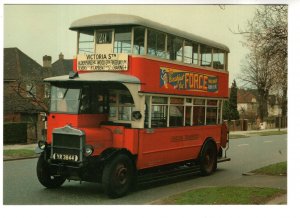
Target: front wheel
{"x": 208, "y": 159}
{"x": 44, "y": 175}
{"x": 118, "y": 176}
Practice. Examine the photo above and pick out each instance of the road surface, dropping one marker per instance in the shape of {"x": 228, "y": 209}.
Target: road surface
{"x": 21, "y": 187}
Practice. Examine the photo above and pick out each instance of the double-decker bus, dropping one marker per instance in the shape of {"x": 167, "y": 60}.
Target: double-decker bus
{"x": 142, "y": 98}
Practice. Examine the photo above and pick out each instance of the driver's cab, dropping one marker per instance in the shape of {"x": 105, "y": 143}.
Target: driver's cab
{"x": 111, "y": 103}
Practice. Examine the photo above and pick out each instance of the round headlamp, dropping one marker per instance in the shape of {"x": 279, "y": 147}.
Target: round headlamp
{"x": 88, "y": 150}
{"x": 42, "y": 145}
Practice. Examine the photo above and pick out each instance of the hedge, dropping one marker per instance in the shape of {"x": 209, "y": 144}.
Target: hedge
{"x": 14, "y": 133}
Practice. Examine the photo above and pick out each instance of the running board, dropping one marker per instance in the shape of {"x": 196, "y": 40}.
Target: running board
{"x": 223, "y": 159}
{"x": 164, "y": 175}
{"x": 173, "y": 173}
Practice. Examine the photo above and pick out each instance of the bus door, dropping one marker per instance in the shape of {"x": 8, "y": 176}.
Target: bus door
{"x": 104, "y": 41}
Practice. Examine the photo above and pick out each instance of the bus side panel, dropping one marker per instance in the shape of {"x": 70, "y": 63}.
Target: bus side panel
{"x": 143, "y": 67}
{"x": 170, "y": 145}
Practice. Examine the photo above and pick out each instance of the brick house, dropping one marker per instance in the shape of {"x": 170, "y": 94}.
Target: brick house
{"x": 25, "y": 94}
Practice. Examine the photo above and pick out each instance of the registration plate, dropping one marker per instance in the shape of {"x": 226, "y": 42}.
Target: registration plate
{"x": 68, "y": 157}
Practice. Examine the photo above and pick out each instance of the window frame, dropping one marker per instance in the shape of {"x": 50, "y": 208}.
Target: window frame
{"x": 188, "y": 102}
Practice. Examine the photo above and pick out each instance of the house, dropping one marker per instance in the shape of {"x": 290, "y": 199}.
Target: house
{"x": 25, "y": 93}
{"x": 60, "y": 67}
{"x": 23, "y": 96}
{"x": 247, "y": 104}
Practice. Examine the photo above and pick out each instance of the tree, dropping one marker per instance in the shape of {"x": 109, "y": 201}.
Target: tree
{"x": 265, "y": 67}
{"x": 234, "y": 114}
{"x": 230, "y": 111}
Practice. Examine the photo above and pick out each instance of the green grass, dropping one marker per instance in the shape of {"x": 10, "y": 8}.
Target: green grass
{"x": 225, "y": 195}
{"x": 277, "y": 169}
{"x": 18, "y": 153}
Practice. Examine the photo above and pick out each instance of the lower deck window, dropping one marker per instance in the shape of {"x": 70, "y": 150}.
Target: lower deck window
{"x": 176, "y": 115}
{"x": 199, "y": 115}
{"x": 159, "y": 115}
{"x": 175, "y": 112}
{"x": 211, "y": 116}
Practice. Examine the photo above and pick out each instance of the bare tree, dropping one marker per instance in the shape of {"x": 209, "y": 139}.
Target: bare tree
{"x": 265, "y": 67}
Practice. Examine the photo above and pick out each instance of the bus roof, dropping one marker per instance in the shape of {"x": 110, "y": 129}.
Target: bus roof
{"x": 96, "y": 77}
{"x": 122, "y": 19}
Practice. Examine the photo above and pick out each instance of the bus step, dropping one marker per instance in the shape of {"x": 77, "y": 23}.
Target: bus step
{"x": 223, "y": 159}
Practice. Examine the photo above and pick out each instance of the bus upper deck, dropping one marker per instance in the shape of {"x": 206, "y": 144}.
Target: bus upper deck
{"x": 115, "y": 33}
{"x": 165, "y": 59}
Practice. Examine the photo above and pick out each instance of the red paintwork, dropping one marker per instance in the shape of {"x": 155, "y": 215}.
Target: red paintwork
{"x": 163, "y": 145}
{"x": 100, "y": 138}
{"x": 169, "y": 145}
{"x": 148, "y": 71}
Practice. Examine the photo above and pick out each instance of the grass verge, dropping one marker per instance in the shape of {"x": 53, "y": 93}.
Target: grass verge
{"x": 18, "y": 153}
{"x": 224, "y": 196}
{"x": 278, "y": 169}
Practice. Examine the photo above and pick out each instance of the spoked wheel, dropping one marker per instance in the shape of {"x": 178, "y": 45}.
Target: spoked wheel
{"x": 44, "y": 176}
{"x": 208, "y": 159}
{"x": 118, "y": 176}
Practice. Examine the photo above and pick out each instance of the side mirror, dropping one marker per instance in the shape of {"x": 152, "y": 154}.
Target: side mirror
{"x": 136, "y": 115}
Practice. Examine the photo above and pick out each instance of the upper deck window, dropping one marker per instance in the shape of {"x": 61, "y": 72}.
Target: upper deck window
{"x": 218, "y": 59}
{"x": 86, "y": 42}
{"x": 122, "y": 42}
{"x": 206, "y": 55}
{"x": 139, "y": 40}
{"x": 174, "y": 49}
{"x": 156, "y": 43}
{"x": 190, "y": 52}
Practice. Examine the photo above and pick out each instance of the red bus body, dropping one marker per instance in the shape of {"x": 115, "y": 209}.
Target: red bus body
{"x": 146, "y": 144}
{"x": 172, "y": 144}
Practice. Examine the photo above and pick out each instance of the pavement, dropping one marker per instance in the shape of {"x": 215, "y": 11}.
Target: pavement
{"x": 247, "y": 180}
{"x": 251, "y": 132}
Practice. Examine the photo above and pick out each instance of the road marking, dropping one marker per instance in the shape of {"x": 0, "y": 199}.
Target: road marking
{"x": 268, "y": 141}
{"x": 242, "y": 145}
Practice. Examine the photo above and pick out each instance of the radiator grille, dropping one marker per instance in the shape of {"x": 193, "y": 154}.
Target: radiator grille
{"x": 67, "y": 144}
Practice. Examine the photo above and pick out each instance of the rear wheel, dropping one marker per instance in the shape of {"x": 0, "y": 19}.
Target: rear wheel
{"x": 208, "y": 159}
{"x": 118, "y": 176}
{"x": 44, "y": 175}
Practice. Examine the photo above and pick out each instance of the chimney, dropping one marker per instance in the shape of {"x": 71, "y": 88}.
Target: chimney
{"x": 47, "y": 61}
{"x": 61, "y": 56}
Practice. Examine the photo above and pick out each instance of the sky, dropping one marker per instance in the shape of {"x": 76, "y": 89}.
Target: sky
{"x": 40, "y": 30}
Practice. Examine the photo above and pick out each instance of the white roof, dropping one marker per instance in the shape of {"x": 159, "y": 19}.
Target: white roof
{"x": 103, "y": 20}
{"x": 96, "y": 77}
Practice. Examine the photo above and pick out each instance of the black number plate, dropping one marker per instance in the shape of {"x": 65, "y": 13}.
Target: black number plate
{"x": 67, "y": 157}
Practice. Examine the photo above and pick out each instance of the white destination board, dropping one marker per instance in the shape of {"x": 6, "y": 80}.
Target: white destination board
{"x": 102, "y": 62}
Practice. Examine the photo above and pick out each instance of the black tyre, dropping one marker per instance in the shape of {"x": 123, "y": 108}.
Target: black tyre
{"x": 44, "y": 176}
{"x": 208, "y": 159}
{"x": 118, "y": 176}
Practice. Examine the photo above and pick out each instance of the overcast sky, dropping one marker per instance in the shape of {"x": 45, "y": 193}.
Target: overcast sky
{"x": 40, "y": 30}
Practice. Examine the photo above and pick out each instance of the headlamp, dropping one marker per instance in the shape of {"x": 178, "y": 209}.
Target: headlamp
{"x": 42, "y": 145}
{"x": 88, "y": 151}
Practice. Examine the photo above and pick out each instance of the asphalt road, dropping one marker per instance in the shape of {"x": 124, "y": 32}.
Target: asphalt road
{"x": 21, "y": 187}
